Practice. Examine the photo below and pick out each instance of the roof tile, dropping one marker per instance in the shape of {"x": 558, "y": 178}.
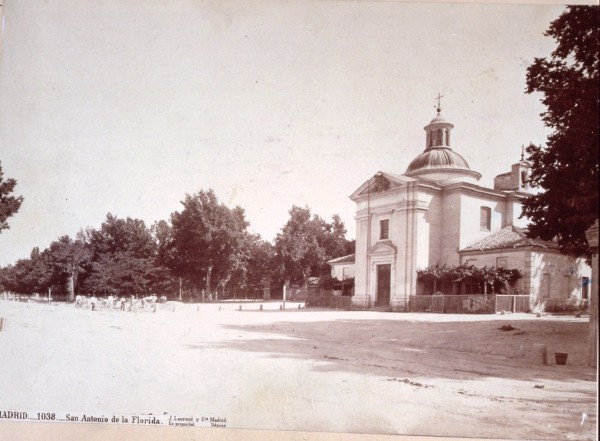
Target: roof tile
{"x": 509, "y": 237}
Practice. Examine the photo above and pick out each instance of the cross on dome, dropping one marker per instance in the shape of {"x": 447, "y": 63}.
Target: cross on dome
{"x": 438, "y": 162}
{"x": 439, "y": 97}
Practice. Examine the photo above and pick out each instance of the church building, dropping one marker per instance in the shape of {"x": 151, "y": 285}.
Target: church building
{"x": 435, "y": 213}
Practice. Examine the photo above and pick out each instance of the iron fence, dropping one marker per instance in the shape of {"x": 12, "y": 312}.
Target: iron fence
{"x": 331, "y": 302}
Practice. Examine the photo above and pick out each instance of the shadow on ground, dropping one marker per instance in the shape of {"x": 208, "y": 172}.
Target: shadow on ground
{"x": 453, "y": 350}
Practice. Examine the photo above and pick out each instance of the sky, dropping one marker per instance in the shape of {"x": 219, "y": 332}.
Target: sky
{"x": 126, "y": 107}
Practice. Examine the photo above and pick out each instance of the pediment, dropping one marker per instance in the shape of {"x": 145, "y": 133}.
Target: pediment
{"x": 384, "y": 247}
{"x": 379, "y": 183}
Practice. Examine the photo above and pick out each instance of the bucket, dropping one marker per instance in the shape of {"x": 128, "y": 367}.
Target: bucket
{"x": 561, "y": 358}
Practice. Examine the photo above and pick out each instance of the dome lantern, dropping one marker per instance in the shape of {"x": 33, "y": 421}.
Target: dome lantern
{"x": 439, "y": 162}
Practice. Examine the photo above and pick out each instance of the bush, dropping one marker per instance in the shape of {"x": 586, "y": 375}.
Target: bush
{"x": 496, "y": 278}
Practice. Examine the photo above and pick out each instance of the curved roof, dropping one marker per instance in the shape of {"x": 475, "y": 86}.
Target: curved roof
{"x": 437, "y": 122}
{"x": 437, "y": 119}
{"x": 438, "y": 158}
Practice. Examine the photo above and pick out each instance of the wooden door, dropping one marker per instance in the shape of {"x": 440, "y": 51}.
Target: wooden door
{"x": 384, "y": 273}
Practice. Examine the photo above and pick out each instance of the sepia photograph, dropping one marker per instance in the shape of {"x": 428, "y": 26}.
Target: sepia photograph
{"x": 298, "y": 220}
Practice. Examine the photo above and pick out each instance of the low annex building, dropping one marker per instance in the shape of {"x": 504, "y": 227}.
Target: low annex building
{"x": 435, "y": 213}
{"x": 548, "y": 276}
{"x": 342, "y": 268}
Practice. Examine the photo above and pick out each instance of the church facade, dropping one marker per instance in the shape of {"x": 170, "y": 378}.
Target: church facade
{"x": 436, "y": 214}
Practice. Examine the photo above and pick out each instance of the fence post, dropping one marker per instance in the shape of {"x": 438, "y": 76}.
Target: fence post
{"x": 495, "y": 303}
{"x": 443, "y": 303}
{"x": 283, "y": 306}
{"x": 514, "y": 304}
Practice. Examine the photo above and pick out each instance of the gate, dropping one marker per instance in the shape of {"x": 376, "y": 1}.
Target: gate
{"x": 437, "y": 303}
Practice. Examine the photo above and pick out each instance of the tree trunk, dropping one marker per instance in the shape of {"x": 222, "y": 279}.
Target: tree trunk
{"x": 592, "y": 238}
{"x": 593, "y": 326}
{"x": 208, "y": 276}
{"x": 71, "y": 288}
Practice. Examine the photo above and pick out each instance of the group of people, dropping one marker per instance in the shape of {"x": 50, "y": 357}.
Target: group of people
{"x": 112, "y": 302}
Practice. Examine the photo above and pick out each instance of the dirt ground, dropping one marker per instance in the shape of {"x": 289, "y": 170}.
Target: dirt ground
{"x": 310, "y": 370}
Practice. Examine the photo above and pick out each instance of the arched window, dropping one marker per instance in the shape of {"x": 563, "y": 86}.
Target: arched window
{"x": 448, "y": 137}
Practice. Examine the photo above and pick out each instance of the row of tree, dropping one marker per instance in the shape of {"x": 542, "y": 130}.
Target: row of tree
{"x": 204, "y": 250}
{"x": 565, "y": 170}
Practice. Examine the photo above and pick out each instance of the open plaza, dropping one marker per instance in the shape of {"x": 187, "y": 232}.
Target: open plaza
{"x": 254, "y": 365}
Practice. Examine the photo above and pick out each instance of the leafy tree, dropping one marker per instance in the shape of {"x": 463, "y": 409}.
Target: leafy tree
{"x": 206, "y": 241}
{"x": 259, "y": 269}
{"x": 121, "y": 235}
{"x": 20, "y": 275}
{"x": 9, "y": 204}
{"x": 297, "y": 245}
{"x": 165, "y": 280}
{"x": 567, "y": 168}
{"x": 28, "y": 276}
{"x": 123, "y": 257}
{"x": 350, "y": 247}
{"x": 102, "y": 276}
{"x": 8, "y": 280}
{"x": 307, "y": 242}
{"x": 235, "y": 277}
{"x": 68, "y": 258}
{"x": 333, "y": 238}
{"x": 163, "y": 235}
{"x": 121, "y": 273}
{"x": 57, "y": 267}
